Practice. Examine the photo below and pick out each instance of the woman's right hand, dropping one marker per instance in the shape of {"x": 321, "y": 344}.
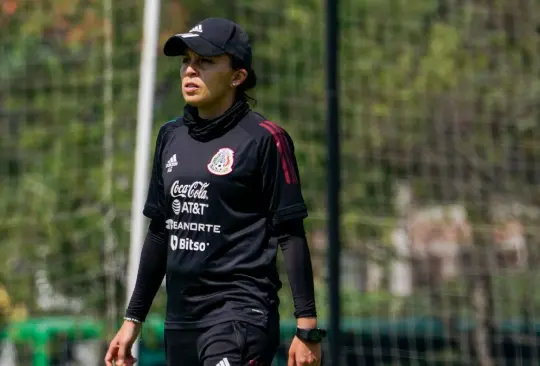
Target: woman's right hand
{"x": 119, "y": 352}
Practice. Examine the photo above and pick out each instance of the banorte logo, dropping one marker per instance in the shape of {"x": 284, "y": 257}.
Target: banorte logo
{"x": 195, "y": 190}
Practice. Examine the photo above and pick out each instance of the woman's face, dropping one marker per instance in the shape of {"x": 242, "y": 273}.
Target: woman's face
{"x": 209, "y": 81}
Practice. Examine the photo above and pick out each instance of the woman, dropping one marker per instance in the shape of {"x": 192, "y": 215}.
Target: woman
{"x": 223, "y": 195}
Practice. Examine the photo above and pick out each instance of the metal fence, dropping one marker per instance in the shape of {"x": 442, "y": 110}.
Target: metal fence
{"x": 437, "y": 108}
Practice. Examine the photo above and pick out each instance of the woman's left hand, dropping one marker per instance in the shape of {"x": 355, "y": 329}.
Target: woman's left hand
{"x": 304, "y": 354}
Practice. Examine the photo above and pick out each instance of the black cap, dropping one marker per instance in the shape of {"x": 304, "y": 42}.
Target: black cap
{"x": 214, "y": 37}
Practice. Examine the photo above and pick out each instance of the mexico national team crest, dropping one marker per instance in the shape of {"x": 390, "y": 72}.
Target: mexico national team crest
{"x": 222, "y": 162}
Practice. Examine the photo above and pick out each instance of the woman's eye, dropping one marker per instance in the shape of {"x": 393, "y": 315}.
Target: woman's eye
{"x": 207, "y": 60}
{"x": 185, "y": 60}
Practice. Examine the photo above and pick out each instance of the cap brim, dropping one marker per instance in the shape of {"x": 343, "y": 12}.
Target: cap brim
{"x": 178, "y": 45}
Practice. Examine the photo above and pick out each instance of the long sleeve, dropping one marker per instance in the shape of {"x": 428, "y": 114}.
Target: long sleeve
{"x": 291, "y": 238}
{"x": 155, "y": 200}
{"x": 151, "y": 271}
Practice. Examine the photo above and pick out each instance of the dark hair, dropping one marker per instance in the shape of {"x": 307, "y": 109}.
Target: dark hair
{"x": 249, "y": 83}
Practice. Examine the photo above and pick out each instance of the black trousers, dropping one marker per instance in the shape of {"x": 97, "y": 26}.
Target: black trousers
{"x": 232, "y": 343}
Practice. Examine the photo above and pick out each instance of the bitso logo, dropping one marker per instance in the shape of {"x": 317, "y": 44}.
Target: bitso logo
{"x": 177, "y": 243}
{"x": 222, "y": 162}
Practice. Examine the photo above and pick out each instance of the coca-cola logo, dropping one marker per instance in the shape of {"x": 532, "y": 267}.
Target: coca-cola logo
{"x": 195, "y": 190}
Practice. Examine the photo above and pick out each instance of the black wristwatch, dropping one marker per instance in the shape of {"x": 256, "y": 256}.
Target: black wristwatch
{"x": 314, "y": 335}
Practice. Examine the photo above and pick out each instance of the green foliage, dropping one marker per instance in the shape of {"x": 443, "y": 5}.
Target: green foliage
{"x": 511, "y": 291}
{"x": 354, "y": 303}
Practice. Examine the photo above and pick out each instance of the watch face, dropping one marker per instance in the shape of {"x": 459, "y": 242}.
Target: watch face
{"x": 315, "y": 334}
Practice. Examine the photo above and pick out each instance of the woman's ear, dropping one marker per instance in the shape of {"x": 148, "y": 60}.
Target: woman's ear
{"x": 239, "y": 77}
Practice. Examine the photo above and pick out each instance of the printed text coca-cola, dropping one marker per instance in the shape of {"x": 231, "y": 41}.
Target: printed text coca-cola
{"x": 195, "y": 190}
